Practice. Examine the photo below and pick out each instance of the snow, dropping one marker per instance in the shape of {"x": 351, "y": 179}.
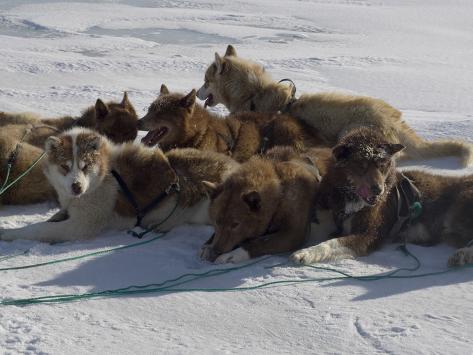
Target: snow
{"x": 57, "y": 57}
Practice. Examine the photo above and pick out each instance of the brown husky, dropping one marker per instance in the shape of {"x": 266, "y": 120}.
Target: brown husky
{"x": 115, "y": 120}
{"x": 264, "y": 207}
{"x": 176, "y": 120}
{"x": 372, "y": 201}
{"x": 243, "y": 85}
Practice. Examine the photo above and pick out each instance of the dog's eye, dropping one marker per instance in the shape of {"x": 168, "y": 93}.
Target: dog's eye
{"x": 65, "y": 168}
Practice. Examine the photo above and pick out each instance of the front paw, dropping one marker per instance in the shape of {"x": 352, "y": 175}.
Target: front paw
{"x": 235, "y": 256}
{"x": 207, "y": 253}
{"x": 461, "y": 257}
{"x": 303, "y": 257}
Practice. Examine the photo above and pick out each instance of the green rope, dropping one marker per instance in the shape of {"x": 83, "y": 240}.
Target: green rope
{"x": 171, "y": 284}
{"x": 57, "y": 261}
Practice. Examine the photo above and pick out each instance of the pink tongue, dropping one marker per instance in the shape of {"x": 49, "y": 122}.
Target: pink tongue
{"x": 364, "y": 192}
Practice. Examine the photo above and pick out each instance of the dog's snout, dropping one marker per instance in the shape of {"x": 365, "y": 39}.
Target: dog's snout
{"x": 76, "y": 188}
{"x": 376, "y": 190}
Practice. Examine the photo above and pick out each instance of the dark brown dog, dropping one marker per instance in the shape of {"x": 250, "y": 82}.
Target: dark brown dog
{"x": 176, "y": 120}
{"x": 372, "y": 201}
{"x": 264, "y": 206}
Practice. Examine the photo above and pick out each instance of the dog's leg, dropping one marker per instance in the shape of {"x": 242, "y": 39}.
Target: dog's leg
{"x": 335, "y": 249}
{"x": 207, "y": 252}
{"x": 53, "y": 232}
{"x": 461, "y": 257}
{"x": 274, "y": 243}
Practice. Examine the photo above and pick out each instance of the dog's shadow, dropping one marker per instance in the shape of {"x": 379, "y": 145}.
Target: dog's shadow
{"x": 432, "y": 260}
{"x": 167, "y": 258}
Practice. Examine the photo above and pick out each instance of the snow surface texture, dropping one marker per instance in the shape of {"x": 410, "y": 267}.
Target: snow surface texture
{"x": 58, "y": 57}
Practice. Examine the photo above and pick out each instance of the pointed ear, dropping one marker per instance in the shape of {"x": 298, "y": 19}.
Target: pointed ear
{"x": 391, "y": 148}
{"x": 211, "y": 189}
{"x": 125, "y": 101}
{"x": 220, "y": 63}
{"x": 95, "y": 142}
{"x": 101, "y": 110}
{"x": 51, "y": 143}
{"x": 189, "y": 100}
{"x": 253, "y": 200}
{"x": 342, "y": 152}
{"x": 164, "y": 90}
{"x": 230, "y": 52}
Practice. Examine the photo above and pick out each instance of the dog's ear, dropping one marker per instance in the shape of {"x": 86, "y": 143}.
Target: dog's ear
{"x": 391, "y": 148}
{"x": 220, "y": 63}
{"x": 101, "y": 110}
{"x": 51, "y": 143}
{"x": 164, "y": 90}
{"x": 253, "y": 200}
{"x": 189, "y": 100}
{"x": 211, "y": 188}
{"x": 230, "y": 52}
{"x": 342, "y": 152}
{"x": 125, "y": 101}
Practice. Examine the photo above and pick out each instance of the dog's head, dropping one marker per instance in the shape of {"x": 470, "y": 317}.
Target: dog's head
{"x": 230, "y": 80}
{"x": 168, "y": 118}
{"x": 242, "y": 206}
{"x": 77, "y": 161}
{"x": 365, "y": 160}
{"x": 117, "y": 121}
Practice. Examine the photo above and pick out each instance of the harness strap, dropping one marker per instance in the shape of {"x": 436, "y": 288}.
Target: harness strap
{"x": 141, "y": 213}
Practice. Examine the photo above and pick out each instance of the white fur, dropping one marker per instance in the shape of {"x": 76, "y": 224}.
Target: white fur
{"x": 355, "y": 206}
{"x": 322, "y": 230}
{"x": 329, "y": 250}
{"x": 461, "y": 257}
{"x": 235, "y": 256}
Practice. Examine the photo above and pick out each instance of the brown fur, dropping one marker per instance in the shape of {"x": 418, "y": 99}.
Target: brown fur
{"x": 239, "y": 83}
{"x": 254, "y": 207}
{"x": 149, "y": 172}
{"x": 242, "y": 135}
{"x": 363, "y": 159}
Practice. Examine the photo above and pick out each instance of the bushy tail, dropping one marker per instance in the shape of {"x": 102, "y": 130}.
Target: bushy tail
{"x": 437, "y": 149}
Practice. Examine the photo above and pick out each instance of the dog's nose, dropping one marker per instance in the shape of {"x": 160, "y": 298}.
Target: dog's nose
{"x": 376, "y": 190}
{"x": 76, "y": 188}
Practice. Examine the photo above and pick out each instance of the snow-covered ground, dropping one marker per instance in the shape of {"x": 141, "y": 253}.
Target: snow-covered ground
{"x": 57, "y": 57}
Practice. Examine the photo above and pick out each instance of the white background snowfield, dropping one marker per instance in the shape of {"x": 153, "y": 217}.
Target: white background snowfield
{"x": 57, "y": 57}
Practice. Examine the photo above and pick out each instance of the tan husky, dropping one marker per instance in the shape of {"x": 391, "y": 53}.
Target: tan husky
{"x": 85, "y": 168}
{"x": 243, "y": 85}
{"x": 176, "y": 120}
{"x": 265, "y": 206}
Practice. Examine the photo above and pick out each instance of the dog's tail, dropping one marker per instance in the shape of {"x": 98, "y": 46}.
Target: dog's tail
{"x": 437, "y": 149}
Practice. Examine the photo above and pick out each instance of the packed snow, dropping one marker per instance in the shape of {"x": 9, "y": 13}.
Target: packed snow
{"x": 58, "y": 57}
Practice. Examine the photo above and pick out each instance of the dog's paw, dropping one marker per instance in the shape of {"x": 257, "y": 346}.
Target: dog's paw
{"x": 461, "y": 257}
{"x": 303, "y": 257}
{"x": 207, "y": 253}
{"x": 235, "y": 256}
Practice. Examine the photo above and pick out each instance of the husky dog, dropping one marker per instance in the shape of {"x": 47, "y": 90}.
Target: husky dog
{"x": 176, "y": 120}
{"x": 374, "y": 202}
{"x": 264, "y": 207}
{"x": 243, "y": 85}
{"x": 116, "y": 120}
{"x": 79, "y": 166}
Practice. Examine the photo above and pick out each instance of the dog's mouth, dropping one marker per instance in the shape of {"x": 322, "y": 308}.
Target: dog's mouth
{"x": 209, "y": 101}
{"x": 365, "y": 194}
{"x": 153, "y": 137}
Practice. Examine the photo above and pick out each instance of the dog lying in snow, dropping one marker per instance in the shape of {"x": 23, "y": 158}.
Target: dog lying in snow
{"x": 366, "y": 201}
{"x": 243, "y": 85}
{"x": 176, "y": 120}
{"x": 264, "y": 207}
{"x": 115, "y": 120}
{"x": 79, "y": 166}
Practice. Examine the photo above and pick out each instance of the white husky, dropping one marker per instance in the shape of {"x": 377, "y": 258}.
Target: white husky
{"x": 79, "y": 165}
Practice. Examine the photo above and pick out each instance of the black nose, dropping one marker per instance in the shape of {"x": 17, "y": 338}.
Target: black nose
{"x": 376, "y": 190}
{"x": 76, "y": 188}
